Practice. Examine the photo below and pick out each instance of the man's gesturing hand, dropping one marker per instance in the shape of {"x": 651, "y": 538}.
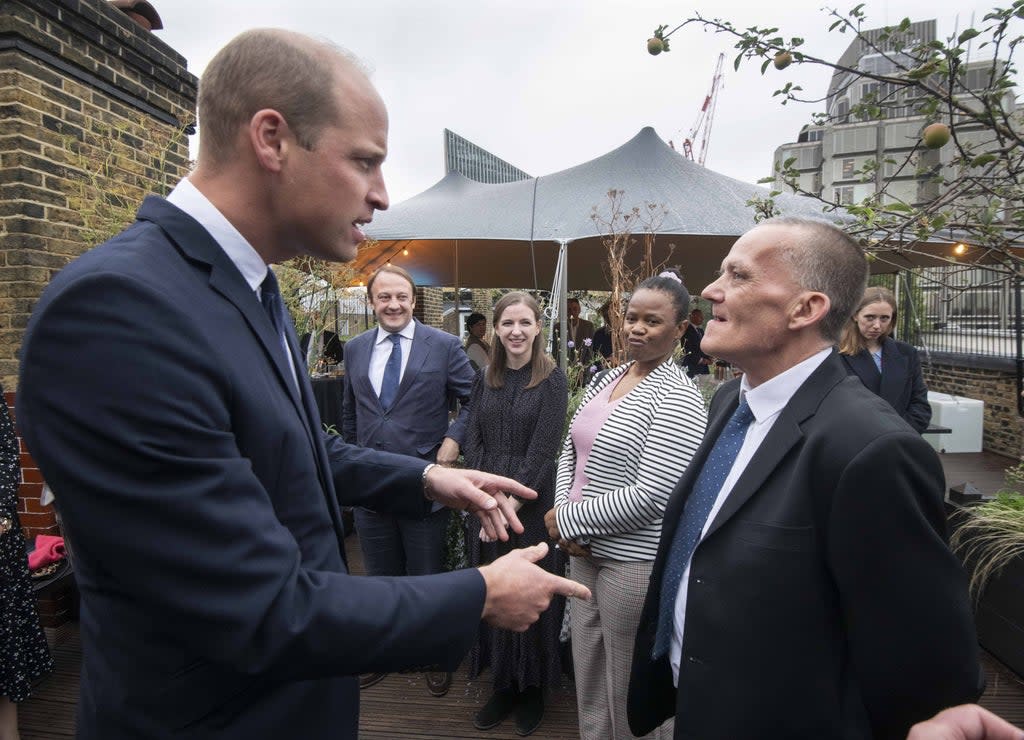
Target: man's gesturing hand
{"x": 484, "y": 494}
{"x": 966, "y": 722}
{"x": 518, "y": 590}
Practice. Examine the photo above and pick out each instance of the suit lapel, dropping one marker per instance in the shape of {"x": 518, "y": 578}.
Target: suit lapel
{"x": 197, "y": 244}
{"x": 421, "y": 343}
{"x": 864, "y": 366}
{"x": 785, "y": 433}
{"x": 360, "y": 367}
{"x": 894, "y": 372}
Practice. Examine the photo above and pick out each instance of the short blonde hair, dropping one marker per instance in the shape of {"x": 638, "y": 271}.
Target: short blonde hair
{"x": 294, "y": 74}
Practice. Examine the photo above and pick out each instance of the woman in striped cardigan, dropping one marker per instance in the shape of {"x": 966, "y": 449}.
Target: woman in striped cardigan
{"x": 630, "y": 441}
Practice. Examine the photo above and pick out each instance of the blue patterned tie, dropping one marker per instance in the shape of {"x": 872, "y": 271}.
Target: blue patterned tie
{"x": 695, "y": 515}
{"x": 392, "y": 373}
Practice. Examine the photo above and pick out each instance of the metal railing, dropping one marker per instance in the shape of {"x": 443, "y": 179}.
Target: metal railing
{"x": 965, "y": 312}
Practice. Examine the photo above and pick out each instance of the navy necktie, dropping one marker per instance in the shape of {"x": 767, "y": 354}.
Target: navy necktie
{"x": 270, "y": 297}
{"x": 695, "y": 515}
{"x": 392, "y": 373}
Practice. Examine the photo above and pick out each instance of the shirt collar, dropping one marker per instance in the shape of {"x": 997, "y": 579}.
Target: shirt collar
{"x": 188, "y": 198}
{"x": 407, "y": 332}
{"x": 771, "y": 396}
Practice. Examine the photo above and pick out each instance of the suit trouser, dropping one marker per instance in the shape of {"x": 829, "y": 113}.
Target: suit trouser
{"x": 397, "y": 546}
{"x": 603, "y": 631}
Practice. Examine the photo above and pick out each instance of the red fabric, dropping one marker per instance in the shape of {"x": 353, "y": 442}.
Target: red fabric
{"x": 49, "y": 549}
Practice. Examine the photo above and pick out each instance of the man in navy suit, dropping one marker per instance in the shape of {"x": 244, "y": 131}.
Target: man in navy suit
{"x": 803, "y": 586}
{"x": 431, "y": 371}
{"x": 196, "y": 487}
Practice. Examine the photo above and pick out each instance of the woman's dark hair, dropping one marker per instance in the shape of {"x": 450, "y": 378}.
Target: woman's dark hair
{"x": 540, "y": 364}
{"x": 473, "y": 319}
{"x": 670, "y": 282}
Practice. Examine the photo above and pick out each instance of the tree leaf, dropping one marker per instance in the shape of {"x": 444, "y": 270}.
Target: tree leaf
{"x": 967, "y": 35}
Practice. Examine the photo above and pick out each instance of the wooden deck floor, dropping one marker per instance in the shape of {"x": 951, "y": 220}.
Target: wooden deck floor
{"x": 399, "y": 708}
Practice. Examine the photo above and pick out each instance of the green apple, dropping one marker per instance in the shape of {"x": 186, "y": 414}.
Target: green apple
{"x": 655, "y": 45}
{"x": 935, "y": 135}
{"x": 783, "y": 59}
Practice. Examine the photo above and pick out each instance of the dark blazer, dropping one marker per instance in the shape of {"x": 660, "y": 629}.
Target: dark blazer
{"x": 824, "y": 601}
{"x": 690, "y": 342}
{"x": 438, "y": 372}
{"x": 901, "y": 381}
{"x": 199, "y": 496}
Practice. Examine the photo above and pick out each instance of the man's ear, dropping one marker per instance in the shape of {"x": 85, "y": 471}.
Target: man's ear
{"x": 809, "y": 308}
{"x": 270, "y": 138}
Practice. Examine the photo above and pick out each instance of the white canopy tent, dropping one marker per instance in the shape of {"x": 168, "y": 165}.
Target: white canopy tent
{"x": 516, "y": 235}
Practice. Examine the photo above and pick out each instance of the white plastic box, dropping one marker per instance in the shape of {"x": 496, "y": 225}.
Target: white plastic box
{"x": 964, "y": 416}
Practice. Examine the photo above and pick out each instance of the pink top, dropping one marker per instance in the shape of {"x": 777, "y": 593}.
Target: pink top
{"x": 584, "y": 431}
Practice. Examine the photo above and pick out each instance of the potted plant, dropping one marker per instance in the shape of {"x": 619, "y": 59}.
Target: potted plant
{"x": 989, "y": 537}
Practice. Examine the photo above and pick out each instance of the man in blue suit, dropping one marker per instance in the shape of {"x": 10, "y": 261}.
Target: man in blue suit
{"x": 401, "y": 379}
{"x": 196, "y": 487}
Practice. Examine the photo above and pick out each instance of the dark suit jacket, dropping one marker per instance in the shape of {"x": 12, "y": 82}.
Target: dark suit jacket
{"x": 690, "y": 342}
{"x": 199, "y": 496}
{"x": 823, "y": 601}
{"x": 437, "y": 373}
{"x": 579, "y": 352}
{"x": 901, "y": 381}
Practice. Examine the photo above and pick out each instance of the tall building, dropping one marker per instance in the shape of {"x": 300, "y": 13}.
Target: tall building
{"x": 463, "y": 156}
{"x": 849, "y": 156}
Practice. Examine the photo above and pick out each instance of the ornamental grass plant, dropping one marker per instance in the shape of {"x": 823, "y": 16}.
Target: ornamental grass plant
{"x": 990, "y": 535}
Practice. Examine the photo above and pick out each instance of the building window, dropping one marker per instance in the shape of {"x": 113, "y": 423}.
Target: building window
{"x": 842, "y": 114}
{"x": 843, "y": 196}
{"x": 847, "y": 173}
{"x": 860, "y": 139}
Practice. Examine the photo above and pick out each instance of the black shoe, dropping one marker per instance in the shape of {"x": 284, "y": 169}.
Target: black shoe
{"x": 497, "y": 708}
{"x": 369, "y": 679}
{"x": 438, "y": 682}
{"x": 529, "y": 711}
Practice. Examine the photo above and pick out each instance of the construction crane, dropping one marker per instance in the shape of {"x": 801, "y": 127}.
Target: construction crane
{"x": 702, "y": 126}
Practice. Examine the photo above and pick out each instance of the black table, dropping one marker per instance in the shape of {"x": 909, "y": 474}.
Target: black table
{"x": 327, "y": 392}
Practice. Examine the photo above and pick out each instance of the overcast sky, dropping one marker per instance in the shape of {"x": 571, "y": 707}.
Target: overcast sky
{"x": 549, "y": 85}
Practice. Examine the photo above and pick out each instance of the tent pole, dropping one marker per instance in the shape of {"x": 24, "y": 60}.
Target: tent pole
{"x": 896, "y": 296}
{"x": 458, "y": 325}
{"x": 563, "y": 292}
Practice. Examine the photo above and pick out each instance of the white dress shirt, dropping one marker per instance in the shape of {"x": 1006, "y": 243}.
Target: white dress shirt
{"x": 382, "y": 348}
{"x": 766, "y": 403}
{"x": 241, "y": 253}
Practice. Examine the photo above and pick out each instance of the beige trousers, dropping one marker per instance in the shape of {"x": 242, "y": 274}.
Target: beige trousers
{"x": 603, "y": 630}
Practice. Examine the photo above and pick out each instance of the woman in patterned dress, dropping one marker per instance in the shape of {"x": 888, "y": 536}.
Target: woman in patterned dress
{"x": 517, "y": 411}
{"x": 24, "y": 655}
{"x": 632, "y": 437}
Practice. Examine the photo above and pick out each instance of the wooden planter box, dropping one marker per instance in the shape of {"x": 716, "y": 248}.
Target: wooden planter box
{"x": 1000, "y": 617}
{"x": 999, "y": 613}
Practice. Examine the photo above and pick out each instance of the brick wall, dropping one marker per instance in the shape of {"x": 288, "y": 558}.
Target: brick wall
{"x": 93, "y": 111}
{"x": 60, "y": 603}
{"x": 1003, "y": 428}
{"x": 429, "y": 303}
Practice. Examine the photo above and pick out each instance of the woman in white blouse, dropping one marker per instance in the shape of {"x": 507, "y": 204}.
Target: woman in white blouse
{"x": 636, "y": 429}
